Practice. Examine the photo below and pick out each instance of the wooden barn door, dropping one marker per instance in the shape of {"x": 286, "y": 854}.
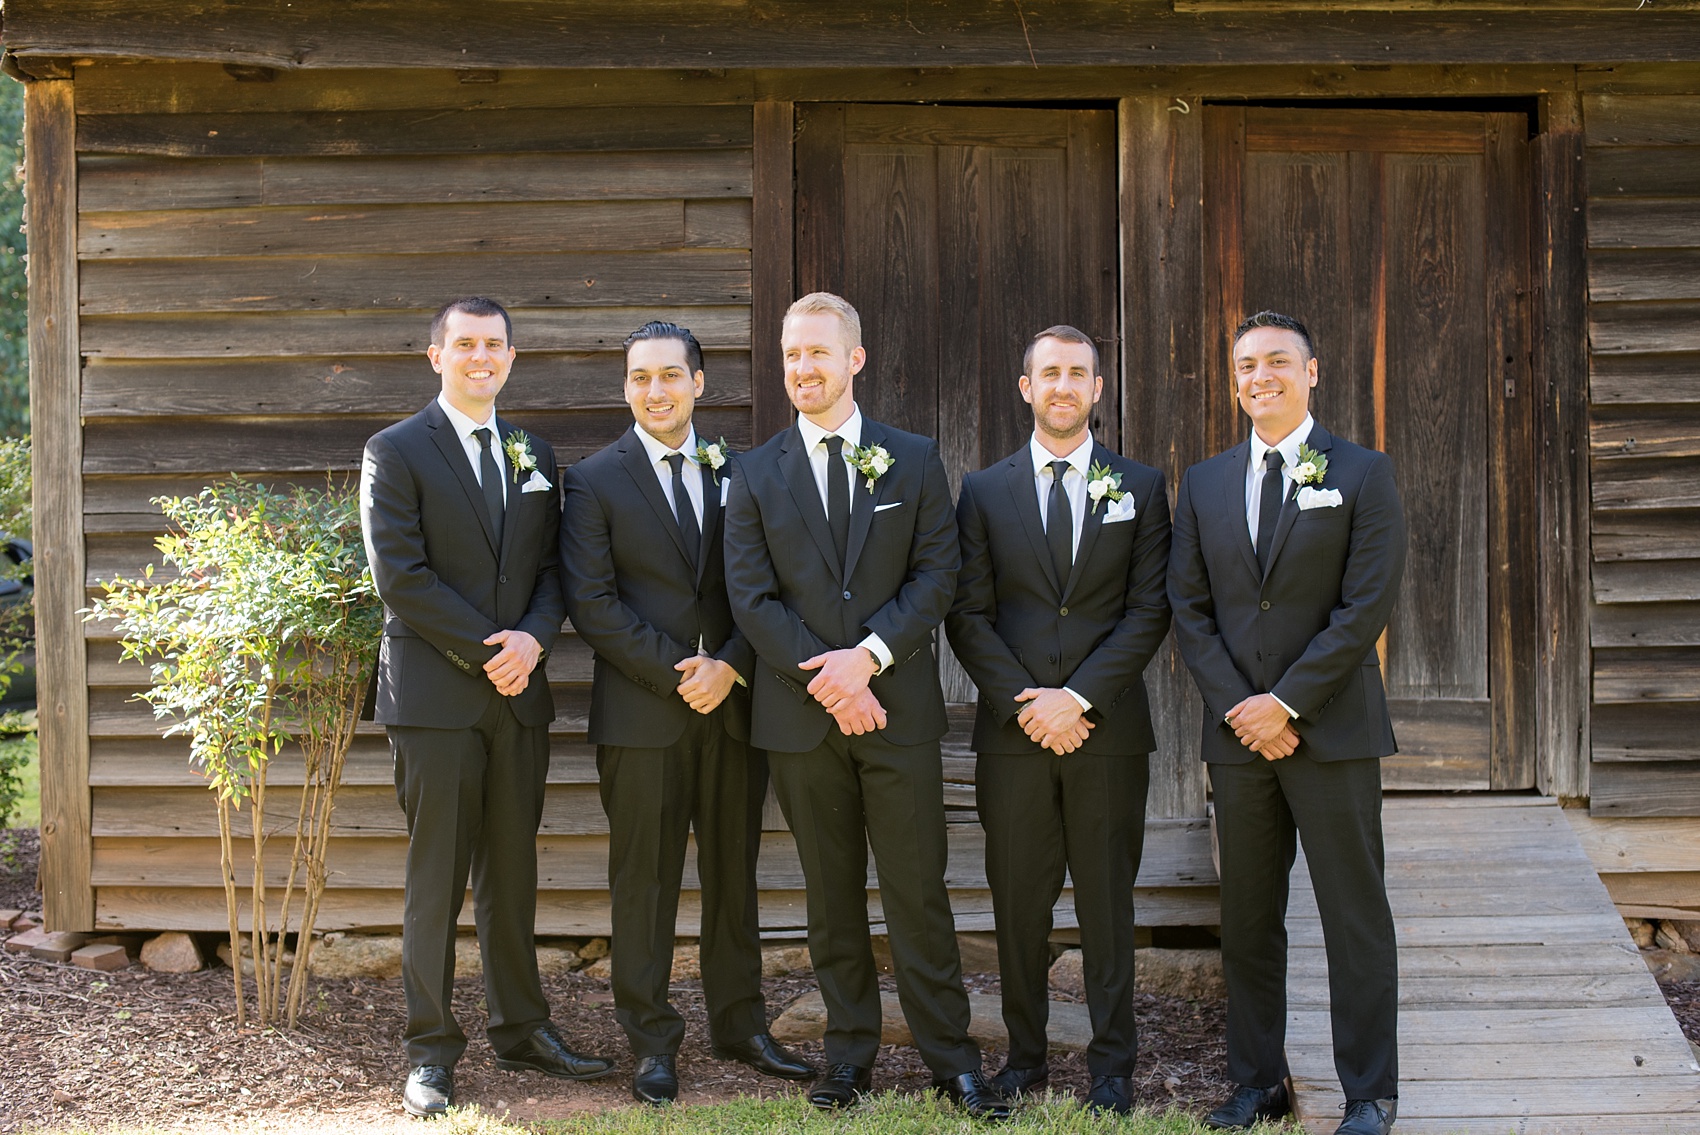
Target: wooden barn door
{"x": 958, "y": 232}
{"x": 1401, "y": 239}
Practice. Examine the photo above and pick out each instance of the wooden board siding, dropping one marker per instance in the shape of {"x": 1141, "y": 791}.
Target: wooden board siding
{"x": 1643, "y": 232}
{"x": 255, "y": 289}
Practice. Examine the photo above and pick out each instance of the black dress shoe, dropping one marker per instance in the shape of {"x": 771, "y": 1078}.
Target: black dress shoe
{"x": 656, "y": 1080}
{"x": 544, "y": 1051}
{"x": 1248, "y": 1106}
{"x": 768, "y": 1057}
{"x": 976, "y": 1095}
{"x": 429, "y": 1092}
{"x": 1111, "y": 1093}
{"x": 1013, "y": 1083}
{"x": 842, "y": 1086}
{"x": 1368, "y": 1117}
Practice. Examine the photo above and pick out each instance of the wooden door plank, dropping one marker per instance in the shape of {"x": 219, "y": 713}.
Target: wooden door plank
{"x": 50, "y": 137}
{"x": 772, "y": 263}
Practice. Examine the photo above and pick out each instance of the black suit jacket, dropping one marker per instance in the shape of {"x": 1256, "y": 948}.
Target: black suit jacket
{"x": 1305, "y": 629}
{"x": 633, "y": 595}
{"x": 1015, "y": 624}
{"x": 445, "y": 585}
{"x": 794, "y": 602}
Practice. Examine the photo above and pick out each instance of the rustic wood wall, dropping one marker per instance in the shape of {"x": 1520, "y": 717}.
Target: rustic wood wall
{"x": 1643, "y": 224}
{"x": 258, "y": 261}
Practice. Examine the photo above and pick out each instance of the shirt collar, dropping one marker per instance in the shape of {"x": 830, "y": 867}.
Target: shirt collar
{"x": 850, "y": 431}
{"x": 1080, "y": 459}
{"x": 1289, "y": 445}
{"x": 658, "y": 452}
{"x": 464, "y": 425}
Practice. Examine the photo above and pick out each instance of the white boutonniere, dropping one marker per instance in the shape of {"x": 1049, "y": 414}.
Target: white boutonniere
{"x": 1311, "y": 469}
{"x": 713, "y": 456}
{"x": 871, "y": 461}
{"x": 520, "y": 458}
{"x": 1103, "y": 485}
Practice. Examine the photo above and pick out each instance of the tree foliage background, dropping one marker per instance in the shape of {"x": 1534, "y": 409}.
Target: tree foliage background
{"x": 14, "y": 321}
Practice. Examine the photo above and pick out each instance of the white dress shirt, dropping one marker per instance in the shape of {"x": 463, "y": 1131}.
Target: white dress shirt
{"x": 690, "y": 472}
{"x": 814, "y": 444}
{"x": 1074, "y": 484}
{"x": 1256, "y": 471}
{"x": 463, "y": 427}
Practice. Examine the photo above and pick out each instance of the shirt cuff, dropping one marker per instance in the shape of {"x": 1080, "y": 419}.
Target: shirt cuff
{"x": 1084, "y": 704}
{"x": 1291, "y": 712}
{"x": 882, "y": 652}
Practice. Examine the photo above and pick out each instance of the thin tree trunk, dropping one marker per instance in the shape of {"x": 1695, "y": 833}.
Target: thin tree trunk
{"x": 227, "y": 857}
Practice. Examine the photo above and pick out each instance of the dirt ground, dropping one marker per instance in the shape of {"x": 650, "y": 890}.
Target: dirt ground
{"x": 85, "y": 1050}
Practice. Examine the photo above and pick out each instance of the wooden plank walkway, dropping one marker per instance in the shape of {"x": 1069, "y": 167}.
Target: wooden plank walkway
{"x": 1524, "y": 1006}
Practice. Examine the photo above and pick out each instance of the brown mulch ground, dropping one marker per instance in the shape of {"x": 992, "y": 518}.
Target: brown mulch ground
{"x": 83, "y": 1049}
{"x": 1684, "y": 999}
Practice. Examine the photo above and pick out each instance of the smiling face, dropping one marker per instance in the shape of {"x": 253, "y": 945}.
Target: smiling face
{"x": 474, "y": 360}
{"x": 661, "y": 390}
{"x": 1273, "y": 376}
{"x": 819, "y": 367}
{"x": 1061, "y": 389}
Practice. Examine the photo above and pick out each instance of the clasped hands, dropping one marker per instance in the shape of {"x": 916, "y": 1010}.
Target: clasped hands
{"x": 511, "y": 669}
{"x": 706, "y": 681}
{"x": 1264, "y": 726}
{"x": 1053, "y": 719}
{"x": 841, "y": 688}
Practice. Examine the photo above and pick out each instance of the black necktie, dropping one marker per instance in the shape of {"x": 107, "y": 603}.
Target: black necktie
{"x": 490, "y": 477}
{"x": 682, "y": 510}
{"x": 1059, "y": 524}
{"x": 1269, "y": 511}
{"x": 838, "y": 496}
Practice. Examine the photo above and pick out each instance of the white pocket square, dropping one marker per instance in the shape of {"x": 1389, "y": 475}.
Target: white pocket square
{"x": 1120, "y": 510}
{"x": 883, "y": 507}
{"x": 537, "y": 484}
{"x": 1318, "y": 498}
{"x": 725, "y": 490}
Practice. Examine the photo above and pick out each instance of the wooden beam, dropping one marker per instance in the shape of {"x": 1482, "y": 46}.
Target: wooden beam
{"x": 50, "y": 139}
{"x": 1561, "y": 383}
{"x": 713, "y": 34}
{"x": 1162, "y": 203}
{"x": 772, "y": 264}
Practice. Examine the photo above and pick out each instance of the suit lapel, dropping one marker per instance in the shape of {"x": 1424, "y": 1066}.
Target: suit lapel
{"x": 1322, "y": 441}
{"x": 1233, "y": 504}
{"x": 862, "y": 501}
{"x": 710, "y": 517}
{"x": 455, "y": 454}
{"x": 1091, "y": 522}
{"x": 634, "y": 459}
{"x": 800, "y": 479}
{"x": 510, "y": 495}
{"x": 1025, "y": 494}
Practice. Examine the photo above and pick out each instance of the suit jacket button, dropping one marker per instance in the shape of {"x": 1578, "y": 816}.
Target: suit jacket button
{"x": 1052, "y": 657}
{"x": 1064, "y": 611}
{"x": 501, "y": 579}
{"x": 846, "y": 595}
{"x": 1264, "y": 604}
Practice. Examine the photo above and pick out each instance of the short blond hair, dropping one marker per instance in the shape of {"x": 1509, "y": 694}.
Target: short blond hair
{"x": 825, "y": 303}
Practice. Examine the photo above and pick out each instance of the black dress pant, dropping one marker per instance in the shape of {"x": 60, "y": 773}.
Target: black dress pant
{"x": 1043, "y": 814}
{"x": 838, "y": 799}
{"x": 1335, "y": 808}
{"x": 654, "y": 797}
{"x": 474, "y": 800}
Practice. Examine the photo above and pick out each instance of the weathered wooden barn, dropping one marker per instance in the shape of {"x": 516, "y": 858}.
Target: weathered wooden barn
{"x": 240, "y": 215}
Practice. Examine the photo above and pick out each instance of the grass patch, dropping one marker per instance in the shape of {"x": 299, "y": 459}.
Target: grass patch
{"x": 885, "y": 1114}
{"x": 28, "y": 814}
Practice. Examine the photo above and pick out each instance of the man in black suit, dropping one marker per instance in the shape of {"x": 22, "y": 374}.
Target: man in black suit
{"x": 841, "y": 561}
{"x": 1059, "y": 605}
{"x": 1288, "y": 549}
{"x": 641, "y": 563}
{"x": 461, "y": 515}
